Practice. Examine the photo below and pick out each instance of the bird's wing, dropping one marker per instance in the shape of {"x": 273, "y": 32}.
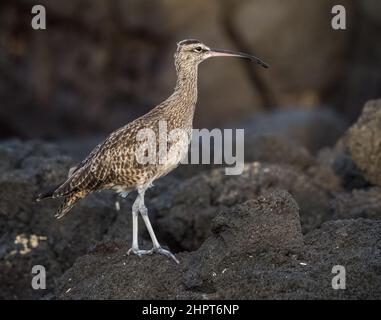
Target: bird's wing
{"x": 93, "y": 170}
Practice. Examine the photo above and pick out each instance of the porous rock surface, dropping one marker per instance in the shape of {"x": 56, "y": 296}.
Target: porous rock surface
{"x": 274, "y": 231}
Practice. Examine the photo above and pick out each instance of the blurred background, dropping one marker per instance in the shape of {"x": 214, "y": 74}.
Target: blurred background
{"x": 102, "y": 63}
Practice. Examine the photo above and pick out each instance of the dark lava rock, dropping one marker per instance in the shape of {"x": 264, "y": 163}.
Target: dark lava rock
{"x": 256, "y": 251}
{"x": 261, "y": 234}
{"x": 252, "y": 227}
{"x": 356, "y": 157}
{"x": 354, "y": 244}
{"x": 270, "y": 223}
{"x": 30, "y": 234}
{"x": 306, "y": 273}
{"x": 336, "y": 169}
{"x": 344, "y": 167}
{"x": 363, "y": 141}
{"x": 183, "y": 214}
{"x": 358, "y": 204}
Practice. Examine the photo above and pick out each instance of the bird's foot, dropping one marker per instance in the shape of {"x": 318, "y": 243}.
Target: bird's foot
{"x": 139, "y": 252}
{"x": 158, "y": 250}
{"x": 166, "y": 253}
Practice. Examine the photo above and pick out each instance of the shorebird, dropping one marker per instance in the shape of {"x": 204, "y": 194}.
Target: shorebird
{"x": 113, "y": 164}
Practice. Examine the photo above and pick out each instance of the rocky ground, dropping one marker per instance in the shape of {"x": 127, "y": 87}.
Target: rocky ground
{"x": 302, "y": 205}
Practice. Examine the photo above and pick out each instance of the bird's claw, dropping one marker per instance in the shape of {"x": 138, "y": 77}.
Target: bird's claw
{"x": 159, "y": 250}
{"x": 166, "y": 253}
{"x": 139, "y": 252}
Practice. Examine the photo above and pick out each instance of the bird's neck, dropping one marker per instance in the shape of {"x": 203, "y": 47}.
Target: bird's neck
{"x": 186, "y": 85}
{"x": 181, "y": 104}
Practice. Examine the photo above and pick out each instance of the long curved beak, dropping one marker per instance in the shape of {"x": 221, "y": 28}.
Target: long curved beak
{"x": 228, "y": 53}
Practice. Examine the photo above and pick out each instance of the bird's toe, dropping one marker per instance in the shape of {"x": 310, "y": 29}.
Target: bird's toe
{"x": 166, "y": 253}
{"x": 139, "y": 252}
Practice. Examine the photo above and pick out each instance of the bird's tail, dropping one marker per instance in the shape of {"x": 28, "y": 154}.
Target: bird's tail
{"x": 47, "y": 194}
{"x": 69, "y": 202}
{"x": 51, "y": 192}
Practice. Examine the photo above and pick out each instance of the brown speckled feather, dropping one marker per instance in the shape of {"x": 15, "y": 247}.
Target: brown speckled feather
{"x": 112, "y": 164}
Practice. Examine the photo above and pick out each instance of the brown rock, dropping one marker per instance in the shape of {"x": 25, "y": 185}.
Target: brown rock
{"x": 363, "y": 141}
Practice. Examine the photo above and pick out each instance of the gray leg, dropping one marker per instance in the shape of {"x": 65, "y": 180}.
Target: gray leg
{"x": 135, "y": 245}
{"x": 144, "y": 212}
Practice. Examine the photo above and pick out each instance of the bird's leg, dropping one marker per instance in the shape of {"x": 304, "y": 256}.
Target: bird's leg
{"x": 156, "y": 245}
{"x": 135, "y": 245}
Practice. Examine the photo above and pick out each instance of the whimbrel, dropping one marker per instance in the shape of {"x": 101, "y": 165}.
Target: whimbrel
{"x": 113, "y": 163}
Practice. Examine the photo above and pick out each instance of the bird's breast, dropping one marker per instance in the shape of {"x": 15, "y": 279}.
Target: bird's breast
{"x": 175, "y": 154}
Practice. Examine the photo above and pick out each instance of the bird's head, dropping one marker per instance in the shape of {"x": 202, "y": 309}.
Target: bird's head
{"x": 191, "y": 52}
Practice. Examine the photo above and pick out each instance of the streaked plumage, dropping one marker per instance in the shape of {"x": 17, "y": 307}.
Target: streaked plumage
{"x": 113, "y": 165}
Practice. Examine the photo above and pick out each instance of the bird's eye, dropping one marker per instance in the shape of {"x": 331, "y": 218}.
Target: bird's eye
{"x": 197, "y": 49}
